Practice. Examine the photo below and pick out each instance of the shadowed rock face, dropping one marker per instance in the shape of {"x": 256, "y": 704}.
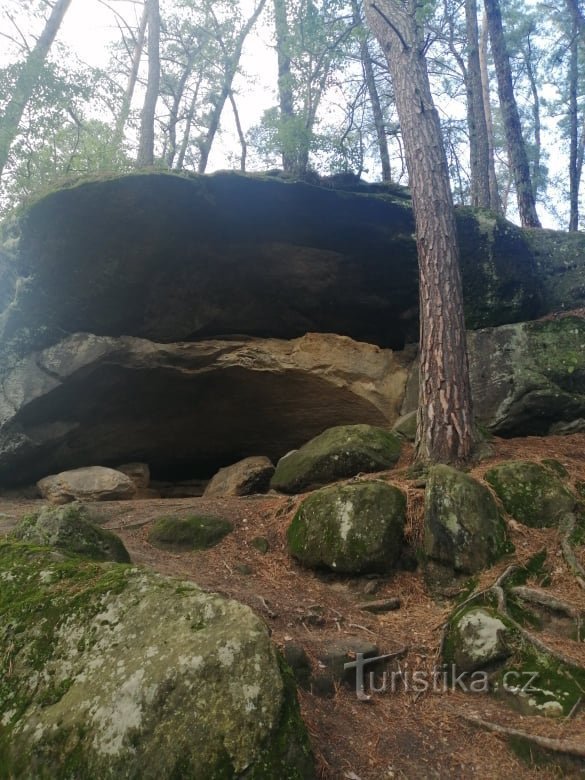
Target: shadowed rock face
{"x": 169, "y": 259}
{"x": 189, "y": 408}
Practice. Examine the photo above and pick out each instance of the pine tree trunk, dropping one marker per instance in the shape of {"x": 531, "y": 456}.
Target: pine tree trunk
{"x": 379, "y": 124}
{"x": 478, "y": 133}
{"x": 445, "y": 422}
{"x": 146, "y": 146}
{"x": 511, "y": 118}
{"x": 27, "y": 80}
{"x": 122, "y": 117}
{"x": 495, "y": 201}
{"x": 573, "y": 133}
{"x": 285, "y": 91}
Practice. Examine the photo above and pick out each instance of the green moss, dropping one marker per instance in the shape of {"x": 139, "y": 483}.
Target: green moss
{"x": 353, "y": 528}
{"x": 42, "y": 589}
{"x": 339, "y": 452}
{"x": 198, "y": 532}
{"x": 530, "y": 492}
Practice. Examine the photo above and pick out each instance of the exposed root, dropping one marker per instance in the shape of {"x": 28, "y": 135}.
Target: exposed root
{"x": 567, "y": 525}
{"x": 562, "y": 746}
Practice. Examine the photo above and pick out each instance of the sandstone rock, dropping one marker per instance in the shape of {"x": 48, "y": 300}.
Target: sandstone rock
{"x": 71, "y": 528}
{"x": 300, "y": 258}
{"x": 477, "y": 639}
{"x": 139, "y": 473}
{"x": 342, "y": 651}
{"x": 463, "y": 528}
{"x": 198, "y": 532}
{"x": 405, "y": 426}
{"x": 93, "y": 483}
{"x": 527, "y": 379}
{"x": 350, "y": 529}
{"x": 247, "y": 476}
{"x": 339, "y": 452}
{"x": 532, "y": 493}
{"x": 118, "y": 672}
{"x": 253, "y": 395}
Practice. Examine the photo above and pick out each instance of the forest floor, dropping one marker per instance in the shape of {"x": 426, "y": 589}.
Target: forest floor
{"x": 394, "y": 735}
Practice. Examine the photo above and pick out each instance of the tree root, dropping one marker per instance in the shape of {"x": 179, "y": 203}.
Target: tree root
{"x": 556, "y": 745}
{"x": 543, "y": 599}
{"x": 567, "y": 525}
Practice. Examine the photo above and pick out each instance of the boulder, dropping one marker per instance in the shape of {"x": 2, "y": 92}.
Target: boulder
{"x": 337, "y": 453}
{"x": 139, "y": 473}
{"x": 94, "y": 483}
{"x": 532, "y": 493}
{"x": 198, "y": 532}
{"x": 527, "y": 379}
{"x": 118, "y": 672}
{"x": 350, "y": 529}
{"x": 70, "y": 528}
{"x": 247, "y": 476}
{"x": 477, "y": 638}
{"x": 252, "y": 395}
{"x": 463, "y": 528}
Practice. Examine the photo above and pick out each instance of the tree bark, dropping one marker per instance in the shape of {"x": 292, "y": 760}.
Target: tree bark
{"x": 573, "y": 130}
{"x": 285, "y": 87}
{"x": 511, "y": 118}
{"x": 27, "y": 80}
{"x": 495, "y": 201}
{"x": 445, "y": 419}
{"x": 478, "y": 132}
{"x": 122, "y": 117}
{"x": 146, "y": 146}
{"x": 379, "y": 124}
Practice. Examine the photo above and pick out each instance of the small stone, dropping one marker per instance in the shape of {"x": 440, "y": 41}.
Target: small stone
{"x": 261, "y": 544}
{"x": 244, "y": 568}
{"x": 380, "y": 606}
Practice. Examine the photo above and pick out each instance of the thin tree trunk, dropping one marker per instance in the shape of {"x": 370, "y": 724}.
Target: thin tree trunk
{"x": 124, "y": 113}
{"x": 27, "y": 80}
{"x": 232, "y": 61}
{"x": 495, "y": 202}
{"x": 511, "y": 118}
{"x": 174, "y": 113}
{"x": 241, "y": 135}
{"x": 285, "y": 88}
{"x": 188, "y": 126}
{"x": 379, "y": 124}
{"x": 535, "y": 118}
{"x": 146, "y": 147}
{"x": 573, "y": 133}
{"x": 478, "y": 132}
{"x": 445, "y": 421}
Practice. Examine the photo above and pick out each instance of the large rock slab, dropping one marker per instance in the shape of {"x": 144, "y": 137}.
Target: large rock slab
{"x": 171, "y": 258}
{"x": 94, "y": 483}
{"x": 187, "y": 409}
{"x": 96, "y": 689}
{"x": 339, "y": 452}
{"x": 527, "y": 379}
{"x": 464, "y": 530}
{"x": 351, "y": 529}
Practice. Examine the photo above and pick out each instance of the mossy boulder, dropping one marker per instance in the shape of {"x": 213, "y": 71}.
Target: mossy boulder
{"x": 477, "y": 639}
{"x": 532, "y": 493}
{"x": 112, "y": 671}
{"x": 351, "y": 529}
{"x": 405, "y": 426}
{"x": 337, "y": 453}
{"x": 463, "y": 527}
{"x": 197, "y": 532}
{"x": 480, "y": 638}
{"x": 70, "y": 528}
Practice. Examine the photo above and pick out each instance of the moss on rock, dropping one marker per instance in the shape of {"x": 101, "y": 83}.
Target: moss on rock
{"x": 70, "y": 528}
{"x": 110, "y": 671}
{"x": 463, "y": 529}
{"x": 352, "y": 529}
{"x": 532, "y": 493}
{"x": 337, "y": 453}
{"x": 198, "y": 532}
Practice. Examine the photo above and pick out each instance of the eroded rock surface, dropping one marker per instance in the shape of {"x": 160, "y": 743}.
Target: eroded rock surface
{"x": 96, "y": 688}
{"x": 251, "y": 475}
{"x": 93, "y": 483}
